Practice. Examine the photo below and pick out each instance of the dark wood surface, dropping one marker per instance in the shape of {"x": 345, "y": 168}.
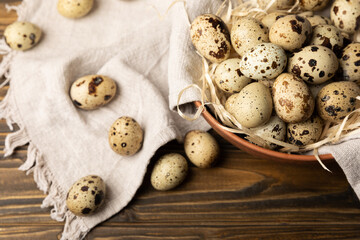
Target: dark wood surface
{"x": 243, "y": 197}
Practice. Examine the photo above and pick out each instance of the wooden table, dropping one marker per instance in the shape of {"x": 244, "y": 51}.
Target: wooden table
{"x": 243, "y": 197}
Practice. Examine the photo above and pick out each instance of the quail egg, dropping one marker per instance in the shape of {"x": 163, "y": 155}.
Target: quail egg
{"x": 22, "y": 36}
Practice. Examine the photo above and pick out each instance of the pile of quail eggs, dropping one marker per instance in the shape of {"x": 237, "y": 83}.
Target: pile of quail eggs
{"x": 291, "y": 72}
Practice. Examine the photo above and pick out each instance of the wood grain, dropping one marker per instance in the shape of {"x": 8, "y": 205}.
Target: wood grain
{"x": 243, "y": 197}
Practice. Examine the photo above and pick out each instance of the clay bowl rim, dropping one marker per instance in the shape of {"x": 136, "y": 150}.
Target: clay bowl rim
{"x": 254, "y": 149}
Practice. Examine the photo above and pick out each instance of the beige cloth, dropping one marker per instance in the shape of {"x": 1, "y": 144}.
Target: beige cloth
{"x": 150, "y": 59}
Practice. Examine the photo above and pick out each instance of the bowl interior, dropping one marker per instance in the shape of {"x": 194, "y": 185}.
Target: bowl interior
{"x": 254, "y": 149}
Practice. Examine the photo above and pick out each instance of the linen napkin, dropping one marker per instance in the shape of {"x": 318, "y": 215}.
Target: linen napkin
{"x": 150, "y": 60}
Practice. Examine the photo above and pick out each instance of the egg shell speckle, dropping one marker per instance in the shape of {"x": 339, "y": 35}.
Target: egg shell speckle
{"x": 293, "y": 100}
{"x": 328, "y": 36}
{"x": 228, "y": 76}
{"x": 313, "y": 5}
{"x": 251, "y": 107}
{"x": 274, "y": 128}
{"x": 336, "y": 100}
{"x": 211, "y": 37}
{"x": 318, "y": 20}
{"x": 86, "y": 195}
{"x": 290, "y": 32}
{"x": 346, "y": 15}
{"x": 74, "y": 8}
{"x": 126, "y": 136}
{"x": 304, "y": 133}
{"x": 169, "y": 172}
{"x": 314, "y": 64}
{"x": 264, "y": 61}
{"x": 22, "y": 36}
{"x": 92, "y": 91}
{"x": 247, "y": 33}
{"x": 201, "y": 148}
{"x": 350, "y": 62}
{"x": 271, "y": 18}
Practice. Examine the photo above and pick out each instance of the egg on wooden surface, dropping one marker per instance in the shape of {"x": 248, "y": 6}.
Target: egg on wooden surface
{"x": 314, "y": 64}
{"x": 22, "y": 36}
{"x": 92, "y": 91}
{"x": 211, "y": 37}
{"x": 126, "y": 136}
{"x": 305, "y": 133}
{"x": 251, "y": 107}
{"x": 201, "y": 148}
{"x": 336, "y": 100}
{"x": 246, "y": 33}
{"x": 86, "y": 195}
{"x": 293, "y": 101}
{"x": 264, "y": 61}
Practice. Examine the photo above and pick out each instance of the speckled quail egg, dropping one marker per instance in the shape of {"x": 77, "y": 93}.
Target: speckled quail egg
{"x": 211, "y": 37}
{"x": 313, "y": 5}
{"x": 228, "y": 76}
{"x": 277, "y": 5}
{"x": 337, "y": 99}
{"x": 251, "y": 107}
{"x": 270, "y": 18}
{"x": 274, "y": 128}
{"x": 169, "y": 172}
{"x": 201, "y": 148}
{"x": 345, "y": 15}
{"x": 350, "y": 62}
{"x": 328, "y": 36}
{"x": 86, "y": 195}
{"x": 293, "y": 101}
{"x": 74, "y": 8}
{"x": 92, "y": 91}
{"x": 246, "y": 33}
{"x": 126, "y": 136}
{"x": 314, "y": 64}
{"x": 305, "y": 133}
{"x": 22, "y": 35}
{"x": 290, "y": 32}
{"x": 318, "y": 20}
{"x": 315, "y": 88}
{"x": 264, "y": 61}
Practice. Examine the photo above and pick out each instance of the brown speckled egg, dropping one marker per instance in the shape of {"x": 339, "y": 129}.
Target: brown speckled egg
{"x": 313, "y": 5}
{"x": 293, "y": 100}
{"x": 277, "y": 5}
{"x": 350, "y": 62}
{"x": 271, "y": 18}
{"x": 274, "y": 128}
{"x": 210, "y": 36}
{"x": 92, "y": 91}
{"x": 22, "y": 36}
{"x": 290, "y": 32}
{"x": 74, "y": 8}
{"x": 247, "y": 33}
{"x": 126, "y": 136}
{"x": 251, "y": 107}
{"x": 305, "y": 133}
{"x": 337, "y": 99}
{"x": 228, "y": 76}
{"x": 314, "y": 64}
{"x": 169, "y": 172}
{"x": 201, "y": 148}
{"x": 264, "y": 61}
{"x": 86, "y": 195}
{"x": 318, "y": 20}
{"x": 346, "y": 15}
{"x": 328, "y": 36}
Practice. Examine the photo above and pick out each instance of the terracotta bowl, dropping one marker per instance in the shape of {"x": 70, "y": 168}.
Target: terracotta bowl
{"x": 254, "y": 149}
